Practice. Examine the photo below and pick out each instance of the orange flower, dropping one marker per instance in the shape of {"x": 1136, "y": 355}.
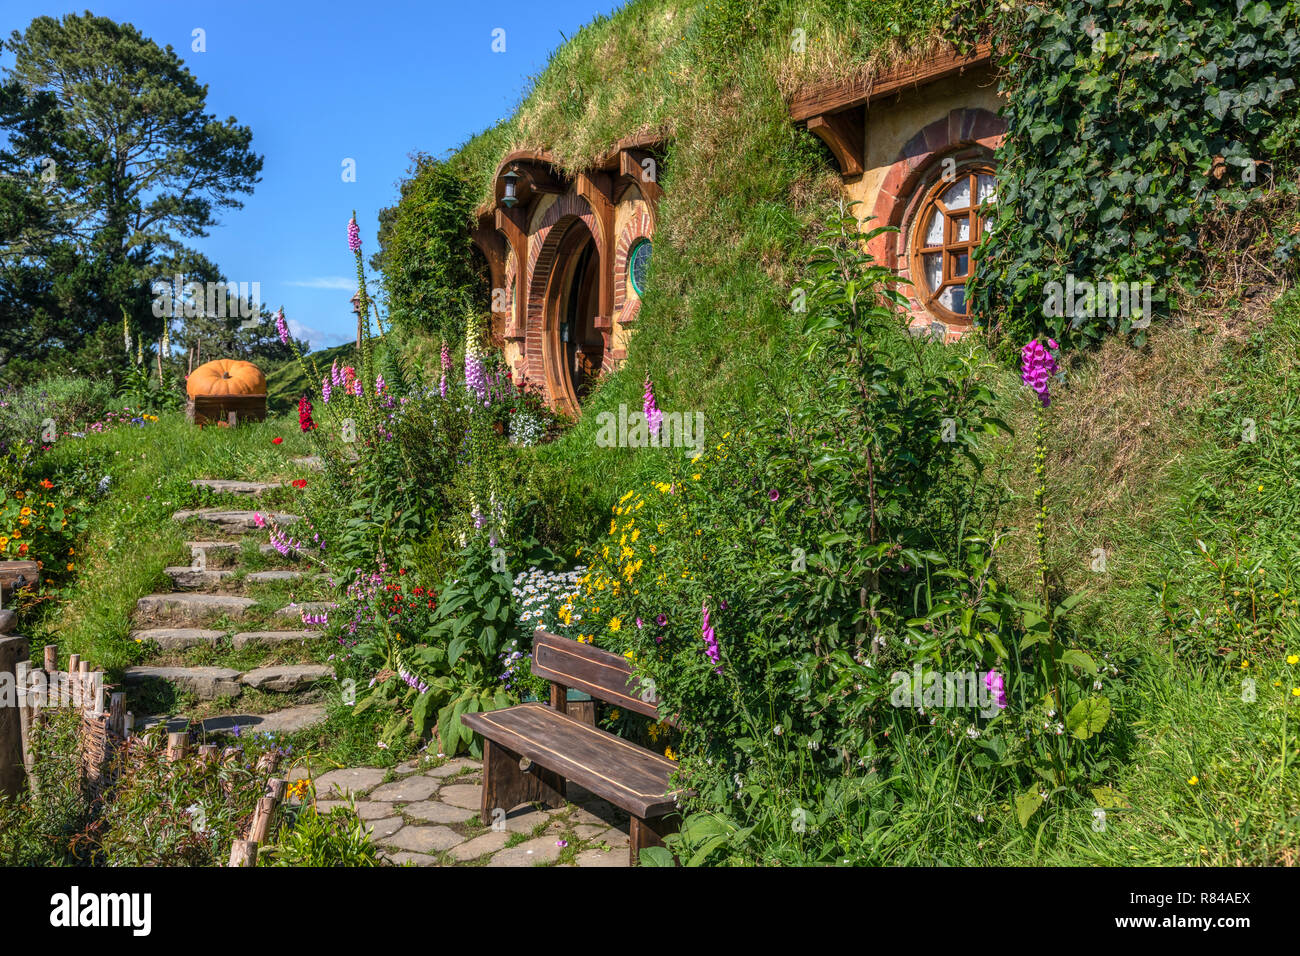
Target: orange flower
{"x": 46, "y": 484}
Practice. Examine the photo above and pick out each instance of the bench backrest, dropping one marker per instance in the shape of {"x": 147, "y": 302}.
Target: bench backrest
{"x": 599, "y": 673}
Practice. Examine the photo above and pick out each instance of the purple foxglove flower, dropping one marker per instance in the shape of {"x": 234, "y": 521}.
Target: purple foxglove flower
{"x": 993, "y": 681}
{"x": 282, "y": 327}
{"x": 354, "y": 235}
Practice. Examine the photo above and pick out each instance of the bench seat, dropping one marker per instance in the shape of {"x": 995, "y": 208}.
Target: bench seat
{"x": 615, "y": 769}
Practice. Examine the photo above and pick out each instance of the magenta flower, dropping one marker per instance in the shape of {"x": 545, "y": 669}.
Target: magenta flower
{"x": 773, "y": 495}
{"x": 710, "y": 641}
{"x": 354, "y": 235}
{"x": 282, "y": 327}
{"x": 993, "y": 681}
{"x": 325, "y": 389}
{"x": 258, "y": 519}
{"x": 653, "y": 416}
{"x": 1037, "y": 366}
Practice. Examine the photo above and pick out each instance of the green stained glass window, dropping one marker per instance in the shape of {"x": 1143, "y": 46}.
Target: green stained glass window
{"x": 638, "y": 263}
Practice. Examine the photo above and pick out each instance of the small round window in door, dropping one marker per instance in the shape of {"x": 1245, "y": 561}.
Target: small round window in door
{"x": 638, "y": 264}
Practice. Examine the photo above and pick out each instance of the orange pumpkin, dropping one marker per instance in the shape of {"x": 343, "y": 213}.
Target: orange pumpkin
{"x": 226, "y": 377}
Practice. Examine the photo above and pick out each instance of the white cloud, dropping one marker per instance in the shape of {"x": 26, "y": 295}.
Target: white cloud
{"x": 315, "y": 337}
{"x": 342, "y": 283}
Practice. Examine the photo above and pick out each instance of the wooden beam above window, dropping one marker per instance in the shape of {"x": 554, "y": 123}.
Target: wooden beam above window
{"x": 844, "y": 133}
{"x": 834, "y": 96}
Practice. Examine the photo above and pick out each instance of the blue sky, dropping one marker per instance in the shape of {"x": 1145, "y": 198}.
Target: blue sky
{"x": 324, "y": 81}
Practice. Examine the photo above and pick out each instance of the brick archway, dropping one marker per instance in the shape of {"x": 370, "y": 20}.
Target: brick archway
{"x": 965, "y": 136}
{"x": 543, "y": 247}
{"x": 627, "y": 307}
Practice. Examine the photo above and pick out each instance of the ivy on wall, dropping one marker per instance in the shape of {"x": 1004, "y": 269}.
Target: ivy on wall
{"x": 1129, "y": 121}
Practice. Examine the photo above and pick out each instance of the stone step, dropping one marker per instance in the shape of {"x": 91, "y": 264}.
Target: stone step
{"x": 226, "y": 487}
{"x": 273, "y": 638}
{"x": 183, "y": 638}
{"x": 311, "y": 462}
{"x": 224, "y": 553}
{"x": 178, "y": 638}
{"x": 287, "y": 678}
{"x": 205, "y": 683}
{"x": 234, "y": 521}
{"x": 191, "y": 606}
{"x": 285, "y": 721}
{"x": 187, "y": 576}
{"x": 296, "y": 611}
{"x": 266, "y": 577}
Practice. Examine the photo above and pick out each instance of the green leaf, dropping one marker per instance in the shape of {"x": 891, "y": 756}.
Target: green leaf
{"x": 1027, "y": 805}
{"x": 1088, "y": 717}
{"x": 656, "y": 856}
{"x": 1077, "y": 658}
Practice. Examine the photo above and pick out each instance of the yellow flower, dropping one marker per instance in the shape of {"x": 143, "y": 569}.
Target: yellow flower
{"x": 25, "y": 511}
{"x": 1293, "y": 658}
{"x": 615, "y": 714}
{"x": 71, "y": 565}
{"x": 613, "y": 525}
{"x": 668, "y": 752}
{"x": 1260, "y": 488}
{"x": 1194, "y": 780}
{"x": 615, "y": 624}
{"x": 1295, "y": 691}
{"x": 1245, "y": 664}
{"x": 654, "y": 549}
{"x": 625, "y": 497}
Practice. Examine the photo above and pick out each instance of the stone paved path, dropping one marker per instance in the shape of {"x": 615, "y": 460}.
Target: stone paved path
{"x": 426, "y": 813}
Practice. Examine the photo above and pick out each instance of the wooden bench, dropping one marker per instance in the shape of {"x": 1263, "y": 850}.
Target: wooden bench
{"x": 530, "y": 751}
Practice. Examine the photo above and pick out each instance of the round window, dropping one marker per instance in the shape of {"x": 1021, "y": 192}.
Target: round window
{"x": 944, "y": 236}
{"x": 638, "y": 263}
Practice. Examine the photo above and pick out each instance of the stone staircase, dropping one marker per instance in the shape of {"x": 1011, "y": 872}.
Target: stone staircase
{"x": 221, "y": 609}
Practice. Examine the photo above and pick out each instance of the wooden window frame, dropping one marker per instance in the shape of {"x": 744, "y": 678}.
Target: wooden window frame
{"x": 950, "y": 246}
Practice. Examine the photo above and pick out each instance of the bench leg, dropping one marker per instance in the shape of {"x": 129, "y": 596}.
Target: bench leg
{"x": 647, "y": 833}
{"x": 505, "y": 786}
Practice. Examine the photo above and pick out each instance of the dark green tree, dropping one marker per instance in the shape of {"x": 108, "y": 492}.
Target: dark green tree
{"x": 111, "y": 163}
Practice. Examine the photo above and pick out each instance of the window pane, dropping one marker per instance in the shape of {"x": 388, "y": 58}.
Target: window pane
{"x": 961, "y": 229}
{"x": 958, "y": 194}
{"x": 959, "y": 263}
{"x": 934, "y": 234}
{"x": 953, "y": 299}
{"x": 987, "y": 189}
{"x": 933, "y": 262}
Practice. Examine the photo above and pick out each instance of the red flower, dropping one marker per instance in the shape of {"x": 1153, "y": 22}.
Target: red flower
{"x": 300, "y": 483}
{"x": 305, "y": 421}
{"x": 276, "y": 441}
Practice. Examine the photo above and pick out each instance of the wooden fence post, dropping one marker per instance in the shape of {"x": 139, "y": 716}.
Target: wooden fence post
{"x": 13, "y": 768}
{"x": 266, "y": 807}
{"x": 177, "y": 745}
{"x": 243, "y": 853}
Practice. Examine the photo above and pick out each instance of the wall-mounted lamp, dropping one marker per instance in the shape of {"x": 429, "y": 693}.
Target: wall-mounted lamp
{"x": 509, "y": 199}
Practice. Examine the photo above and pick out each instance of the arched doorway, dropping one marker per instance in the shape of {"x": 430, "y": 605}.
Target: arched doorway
{"x": 574, "y": 348}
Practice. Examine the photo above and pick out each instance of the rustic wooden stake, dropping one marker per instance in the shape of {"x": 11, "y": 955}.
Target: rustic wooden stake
{"x": 22, "y": 676}
{"x": 97, "y": 686}
{"x": 83, "y": 683}
{"x": 128, "y": 724}
{"x": 51, "y": 658}
{"x": 74, "y": 690}
{"x": 177, "y": 745}
{"x": 243, "y": 853}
